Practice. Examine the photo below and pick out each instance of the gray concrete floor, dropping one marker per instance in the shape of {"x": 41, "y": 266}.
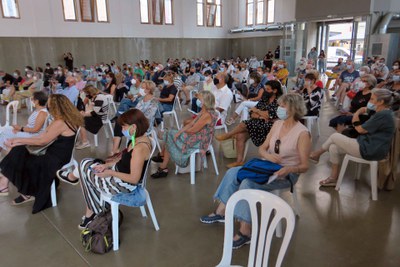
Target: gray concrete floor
{"x": 343, "y": 228}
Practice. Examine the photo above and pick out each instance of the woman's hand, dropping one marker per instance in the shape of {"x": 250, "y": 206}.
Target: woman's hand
{"x": 99, "y": 168}
{"x": 13, "y": 142}
{"x": 284, "y": 172}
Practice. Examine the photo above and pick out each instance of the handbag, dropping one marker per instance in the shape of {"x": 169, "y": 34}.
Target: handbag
{"x": 257, "y": 170}
{"x": 38, "y": 150}
{"x": 229, "y": 148}
{"x": 351, "y": 94}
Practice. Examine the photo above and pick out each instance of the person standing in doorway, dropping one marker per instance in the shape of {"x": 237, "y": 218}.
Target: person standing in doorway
{"x": 277, "y": 52}
{"x": 321, "y": 61}
{"x": 69, "y": 61}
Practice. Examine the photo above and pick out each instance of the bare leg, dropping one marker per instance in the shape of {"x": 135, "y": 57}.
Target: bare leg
{"x": 3, "y": 182}
{"x": 241, "y": 139}
{"x": 83, "y": 135}
{"x": 88, "y": 212}
{"x": 116, "y": 144}
{"x": 245, "y": 229}
{"x": 166, "y": 157}
{"x": 241, "y": 128}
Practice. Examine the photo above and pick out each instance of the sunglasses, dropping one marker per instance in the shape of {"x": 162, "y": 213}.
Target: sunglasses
{"x": 277, "y": 144}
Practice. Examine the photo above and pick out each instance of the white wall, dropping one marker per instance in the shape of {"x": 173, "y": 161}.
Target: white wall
{"x": 44, "y": 18}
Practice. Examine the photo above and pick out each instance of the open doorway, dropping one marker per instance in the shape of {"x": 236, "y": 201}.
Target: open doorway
{"x": 342, "y": 40}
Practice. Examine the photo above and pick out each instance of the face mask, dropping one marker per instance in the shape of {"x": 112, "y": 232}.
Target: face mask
{"x": 267, "y": 95}
{"x": 133, "y": 81}
{"x": 251, "y": 81}
{"x": 207, "y": 78}
{"x": 166, "y": 83}
{"x": 349, "y": 67}
{"x": 15, "y": 75}
{"x": 222, "y": 69}
{"x": 280, "y": 66}
{"x": 216, "y": 81}
{"x": 395, "y": 67}
{"x": 108, "y": 80}
{"x": 371, "y": 106}
{"x": 192, "y": 72}
{"x": 362, "y": 73}
{"x": 307, "y": 83}
{"x": 29, "y": 75}
{"x": 281, "y": 113}
{"x": 126, "y": 134}
{"x": 35, "y": 78}
{"x": 26, "y": 69}
{"x": 198, "y": 103}
{"x": 142, "y": 92}
{"x": 82, "y": 69}
{"x": 360, "y": 85}
{"x": 155, "y": 69}
{"x": 129, "y": 66}
{"x": 396, "y": 78}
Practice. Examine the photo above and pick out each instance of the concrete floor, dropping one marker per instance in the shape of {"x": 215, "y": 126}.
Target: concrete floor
{"x": 343, "y": 228}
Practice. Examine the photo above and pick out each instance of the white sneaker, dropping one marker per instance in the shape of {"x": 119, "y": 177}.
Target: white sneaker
{"x": 83, "y": 145}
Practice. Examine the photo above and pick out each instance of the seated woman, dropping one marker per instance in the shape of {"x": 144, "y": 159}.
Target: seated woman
{"x": 168, "y": 93}
{"x": 148, "y": 104}
{"x": 36, "y": 122}
{"x": 312, "y": 95}
{"x": 253, "y": 95}
{"x": 133, "y": 96}
{"x": 119, "y": 176}
{"x": 375, "y": 137}
{"x": 197, "y": 134}
{"x": 262, "y": 117}
{"x": 367, "y": 83}
{"x": 288, "y": 144}
{"x": 8, "y": 92}
{"x": 111, "y": 84}
{"x": 94, "y": 115}
{"x": 121, "y": 89}
{"x": 33, "y": 175}
{"x": 282, "y": 72}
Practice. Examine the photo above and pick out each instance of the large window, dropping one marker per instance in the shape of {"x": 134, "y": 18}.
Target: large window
{"x": 102, "y": 10}
{"x": 259, "y": 12}
{"x": 69, "y": 10}
{"x": 209, "y": 13}
{"x": 156, "y": 11}
{"x": 10, "y": 9}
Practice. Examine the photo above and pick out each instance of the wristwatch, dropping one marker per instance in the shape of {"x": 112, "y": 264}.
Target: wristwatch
{"x": 357, "y": 123}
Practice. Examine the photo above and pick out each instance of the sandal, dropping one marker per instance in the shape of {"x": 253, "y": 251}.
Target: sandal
{"x": 21, "y": 199}
{"x": 328, "y": 182}
{"x": 4, "y": 192}
{"x": 161, "y": 173}
{"x": 313, "y": 158}
{"x": 230, "y": 121}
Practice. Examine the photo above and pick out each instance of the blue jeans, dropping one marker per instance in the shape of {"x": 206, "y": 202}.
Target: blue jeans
{"x": 126, "y": 104}
{"x": 230, "y": 185}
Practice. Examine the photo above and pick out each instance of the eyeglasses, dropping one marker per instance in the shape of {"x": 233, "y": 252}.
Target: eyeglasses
{"x": 277, "y": 144}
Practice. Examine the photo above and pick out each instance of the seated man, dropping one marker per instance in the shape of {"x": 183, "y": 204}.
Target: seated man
{"x": 340, "y": 66}
{"x": 346, "y": 80}
{"x": 132, "y": 97}
{"x": 70, "y": 91}
{"x": 380, "y": 70}
{"x": 191, "y": 82}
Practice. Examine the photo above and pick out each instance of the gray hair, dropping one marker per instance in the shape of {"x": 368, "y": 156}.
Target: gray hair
{"x": 370, "y": 79}
{"x": 366, "y": 69}
{"x": 208, "y": 100}
{"x": 295, "y": 105}
{"x": 384, "y": 95}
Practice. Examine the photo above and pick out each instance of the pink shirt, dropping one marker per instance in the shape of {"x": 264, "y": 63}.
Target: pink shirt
{"x": 288, "y": 147}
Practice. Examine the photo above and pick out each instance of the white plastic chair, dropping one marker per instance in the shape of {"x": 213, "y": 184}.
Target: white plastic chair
{"x": 309, "y": 121}
{"x": 223, "y": 125}
{"x": 178, "y": 101}
{"x": 373, "y": 169}
{"x": 173, "y": 113}
{"x": 14, "y": 105}
{"x": 71, "y": 164}
{"x": 107, "y": 122}
{"x": 273, "y": 211}
{"x": 193, "y": 163}
{"x": 114, "y": 205}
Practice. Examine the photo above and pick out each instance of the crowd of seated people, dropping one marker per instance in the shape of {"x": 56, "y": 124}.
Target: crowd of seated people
{"x": 145, "y": 90}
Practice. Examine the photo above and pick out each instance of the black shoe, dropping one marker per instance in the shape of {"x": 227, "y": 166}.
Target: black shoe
{"x": 157, "y": 158}
{"x": 62, "y": 175}
{"x": 86, "y": 221}
{"x": 161, "y": 173}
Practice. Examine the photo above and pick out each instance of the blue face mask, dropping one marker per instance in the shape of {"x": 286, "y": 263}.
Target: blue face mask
{"x": 127, "y": 134}
{"x": 371, "y": 106}
{"x": 282, "y": 113}
{"x": 198, "y": 103}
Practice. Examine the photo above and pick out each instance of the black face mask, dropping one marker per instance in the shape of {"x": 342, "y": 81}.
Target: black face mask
{"x": 89, "y": 96}
{"x": 216, "y": 81}
{"x": 191, "y": 73}
{"x": 267, "y": 95}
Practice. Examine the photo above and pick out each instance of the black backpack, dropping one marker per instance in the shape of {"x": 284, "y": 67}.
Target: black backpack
{"x": 97, "y": 237}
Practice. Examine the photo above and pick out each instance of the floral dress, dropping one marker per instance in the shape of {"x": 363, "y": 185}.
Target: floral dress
{"x": 258, "y": 129}
{"x": 186, "y": 144}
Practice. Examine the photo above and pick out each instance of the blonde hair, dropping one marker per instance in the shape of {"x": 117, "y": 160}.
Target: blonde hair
{"x": 90, "y": 90}
{"x": 61, "y": 108}
{"x": 208, "y": 100}
{"x": 150, "y": 85}
{"x": 295, "y": 105}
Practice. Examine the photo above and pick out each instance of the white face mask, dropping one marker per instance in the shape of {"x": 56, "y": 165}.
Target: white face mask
{"x": 133, "y": 81}
{"x": 207, "y": 78}
{"x": 395, "y": 67}
{"x": 396, "y": 78}
{"x": 29, "y": 75}
{"x": 280, "y": 66}
{"x": 251, "y": 81}
{"x": 142, "y": 92}
{"x": 166, "y": 83}
{"x": 362, "y": 73}
{"x": 35, "y": 78}
{"x": 349, "y": 67}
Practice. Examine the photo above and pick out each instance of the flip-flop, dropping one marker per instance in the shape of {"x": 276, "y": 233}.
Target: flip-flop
{"x": 328, "y": 182}
{"x": 4, "y": 192}
{"x": 21, "y": 200}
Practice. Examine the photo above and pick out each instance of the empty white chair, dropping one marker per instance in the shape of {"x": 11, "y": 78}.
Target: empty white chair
{"x": 173, "y": 113}
{"x": 70, "y": 165}
{"x": 193, "y": 163}
{"x": 14, "y": 105}
{"x": 273, "y": 211}
{"x": 107, "y": 122}
{"x": 373, "y": 170}
{"x": 114, "y": 205}
{"x": 309, "y": 121}
{"x": 223, "y": 125}
{"x": 178, "y": 101}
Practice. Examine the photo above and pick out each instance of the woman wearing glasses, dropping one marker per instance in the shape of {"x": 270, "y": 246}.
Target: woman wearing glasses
{"x": 288, "y": 144}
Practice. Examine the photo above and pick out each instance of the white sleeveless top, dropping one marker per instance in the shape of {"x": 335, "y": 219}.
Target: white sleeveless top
{"x": 32, "y": 119}
{"x": 288, "y": 146}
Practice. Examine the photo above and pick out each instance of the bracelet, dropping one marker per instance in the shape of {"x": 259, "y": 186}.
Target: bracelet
{"x": 22, "y": 129}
